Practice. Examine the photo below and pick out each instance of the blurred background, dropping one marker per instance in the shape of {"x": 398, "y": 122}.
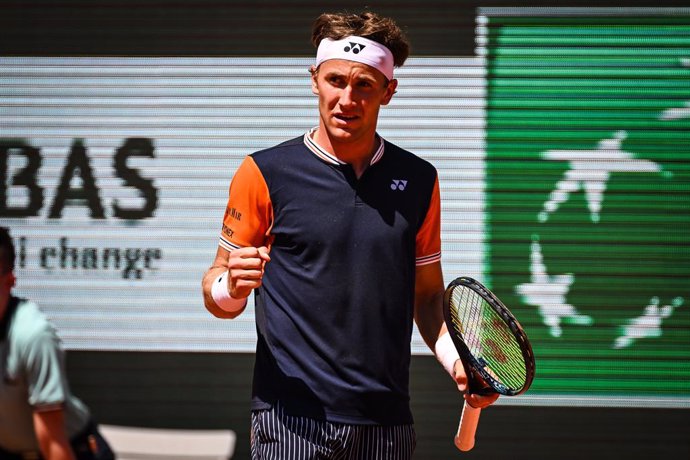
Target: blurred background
{"x": 562, "y": 140}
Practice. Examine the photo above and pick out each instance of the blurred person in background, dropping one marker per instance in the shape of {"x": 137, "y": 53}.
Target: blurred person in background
{"x": 39, "y": 417}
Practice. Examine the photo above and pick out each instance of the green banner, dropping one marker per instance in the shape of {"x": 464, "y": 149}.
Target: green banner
{"x": 588, "y": 197}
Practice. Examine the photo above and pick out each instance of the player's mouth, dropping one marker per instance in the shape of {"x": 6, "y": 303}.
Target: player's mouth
{"x": 346, "y": 118}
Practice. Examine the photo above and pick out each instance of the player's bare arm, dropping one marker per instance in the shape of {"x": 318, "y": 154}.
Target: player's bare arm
{"x": 428, "y": 313}
{"x": 244, "y": 267}
{"x": 429, "y": 291}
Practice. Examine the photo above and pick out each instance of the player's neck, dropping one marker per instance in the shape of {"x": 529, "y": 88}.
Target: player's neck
{"x": 357, "y": 153}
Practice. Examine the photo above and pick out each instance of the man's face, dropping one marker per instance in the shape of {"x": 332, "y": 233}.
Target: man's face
{"x": 350, "y": 95}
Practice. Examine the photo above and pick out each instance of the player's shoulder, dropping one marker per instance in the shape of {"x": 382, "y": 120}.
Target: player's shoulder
{"x": 287, "y": 147}
{"x": 409, "y": 160}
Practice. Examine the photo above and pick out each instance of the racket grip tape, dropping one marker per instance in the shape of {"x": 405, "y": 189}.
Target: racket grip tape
{"x": 464, "y": 439}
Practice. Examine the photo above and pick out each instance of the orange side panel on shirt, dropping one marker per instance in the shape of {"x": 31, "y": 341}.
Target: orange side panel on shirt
{"x": 429, "y": 235}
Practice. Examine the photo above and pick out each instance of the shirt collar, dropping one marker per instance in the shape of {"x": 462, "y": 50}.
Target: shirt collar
{"x": 320, "y": 152}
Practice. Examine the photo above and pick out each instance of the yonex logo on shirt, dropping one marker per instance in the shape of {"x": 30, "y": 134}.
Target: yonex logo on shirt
{"x": 354, "y": 47}
{"x": 398, "y": 184}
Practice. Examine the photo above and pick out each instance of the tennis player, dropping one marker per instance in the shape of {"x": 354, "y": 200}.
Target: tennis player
{"x": 338, "y": 234}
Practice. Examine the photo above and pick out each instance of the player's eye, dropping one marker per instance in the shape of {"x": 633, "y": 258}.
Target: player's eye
{"x": 336, "y": 80}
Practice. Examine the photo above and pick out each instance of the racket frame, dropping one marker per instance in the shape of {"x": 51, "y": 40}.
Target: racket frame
{"x": 474, "y": 368}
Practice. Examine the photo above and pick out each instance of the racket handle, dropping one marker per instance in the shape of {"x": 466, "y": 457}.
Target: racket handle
{"x": 464, "y": 439}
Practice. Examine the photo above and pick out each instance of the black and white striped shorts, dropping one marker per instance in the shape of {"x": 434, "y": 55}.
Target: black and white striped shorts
{"x": 278, "y": 436}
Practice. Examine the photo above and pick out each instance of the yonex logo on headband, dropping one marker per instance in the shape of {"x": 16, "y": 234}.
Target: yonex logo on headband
{"x": 357, "y": 49}
{"x": 354, "y": 47}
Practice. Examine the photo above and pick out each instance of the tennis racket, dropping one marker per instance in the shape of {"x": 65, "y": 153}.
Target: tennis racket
{"x": 493, "y": 348}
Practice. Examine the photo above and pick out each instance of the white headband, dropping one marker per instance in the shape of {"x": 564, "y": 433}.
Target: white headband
{"x": 357, "y": 49}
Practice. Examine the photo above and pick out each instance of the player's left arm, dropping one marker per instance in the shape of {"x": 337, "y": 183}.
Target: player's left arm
{"x": 429, "y": 291}
{"x": 429, "y": 287}
{"x": 428, "y": 313}
{"x": 428, "y": 302}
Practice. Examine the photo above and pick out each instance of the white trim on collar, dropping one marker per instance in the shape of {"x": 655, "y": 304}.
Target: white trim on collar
{"x": 322, "y": 153}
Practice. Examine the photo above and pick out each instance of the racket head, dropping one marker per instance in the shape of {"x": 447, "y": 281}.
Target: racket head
{"x": 491, "y": 342}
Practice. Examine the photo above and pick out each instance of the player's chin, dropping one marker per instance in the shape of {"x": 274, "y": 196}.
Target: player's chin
{"x": 346, "y": 125}
{"x": 342, "y": 133}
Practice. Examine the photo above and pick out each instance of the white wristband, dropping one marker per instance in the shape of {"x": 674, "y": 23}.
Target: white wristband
{"x": 221, "y": 295}
{"x": 446, "y": 353}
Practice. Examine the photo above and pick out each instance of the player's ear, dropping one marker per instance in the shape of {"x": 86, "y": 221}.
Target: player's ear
{"x": 390, "y": 91}
{"x": 314, "y": 84}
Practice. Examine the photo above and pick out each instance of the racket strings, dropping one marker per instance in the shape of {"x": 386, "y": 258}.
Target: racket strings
{"x": 488, "y": 338}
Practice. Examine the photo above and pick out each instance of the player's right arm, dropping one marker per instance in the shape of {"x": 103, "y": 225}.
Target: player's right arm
{"x": 244, "y": 243}
{"x": 245, "y": 269}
